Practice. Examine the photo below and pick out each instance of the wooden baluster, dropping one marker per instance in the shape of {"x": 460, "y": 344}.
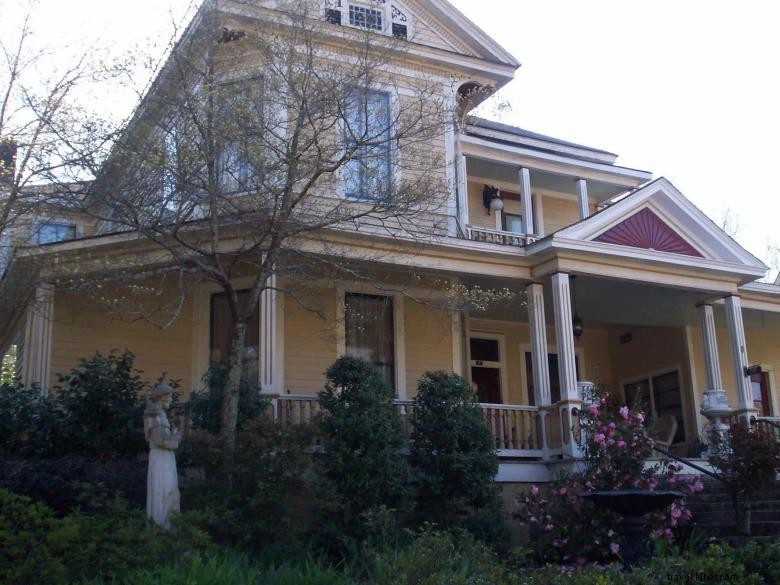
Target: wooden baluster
{"x": 501, "y": 435}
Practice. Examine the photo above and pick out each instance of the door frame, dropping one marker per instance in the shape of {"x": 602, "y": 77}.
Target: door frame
{"x": 501, "y": 364}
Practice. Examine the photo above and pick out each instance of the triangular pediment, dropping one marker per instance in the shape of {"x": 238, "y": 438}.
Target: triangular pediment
{"x": 646, "y": 230}
{"x": 657, "y": 222}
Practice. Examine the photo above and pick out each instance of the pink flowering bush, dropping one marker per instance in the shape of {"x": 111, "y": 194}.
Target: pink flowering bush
{"x": 567, "y": 528}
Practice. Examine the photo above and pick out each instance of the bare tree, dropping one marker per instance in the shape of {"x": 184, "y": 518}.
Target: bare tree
{"x": 264, "y": 135}
{"x": 51, "y": 144}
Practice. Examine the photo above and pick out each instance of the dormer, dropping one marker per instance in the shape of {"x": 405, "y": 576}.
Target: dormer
{"x": 386, "y": 17}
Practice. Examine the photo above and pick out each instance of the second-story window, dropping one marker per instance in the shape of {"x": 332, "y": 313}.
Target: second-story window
{"x": 239, "y": 123}
{"x": 50, "y": 232}
{"x": 367, "y": 135}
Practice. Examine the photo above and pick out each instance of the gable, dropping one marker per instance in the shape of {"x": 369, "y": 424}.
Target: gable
{"x": 657, "y": 223}
{"x": 646, "y": 230}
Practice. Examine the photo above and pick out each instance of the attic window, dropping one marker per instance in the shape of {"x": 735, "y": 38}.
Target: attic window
{"x": 382, "y": 16}
{"x": 400, "y": 31}
{"x": 365, "y": 17}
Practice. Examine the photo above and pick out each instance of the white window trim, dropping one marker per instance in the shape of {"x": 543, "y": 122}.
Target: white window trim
{"x": 399, "y": 343}
{"x": 525, "y": 348}
{"x": 684, "y": 390}
{"x": 395, "y": 169}
{"x": 201, "y": 329}
{"x": 501, "y": 365}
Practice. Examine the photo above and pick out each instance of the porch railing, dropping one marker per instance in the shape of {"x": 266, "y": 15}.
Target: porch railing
{"x": 492, "y": 236}
{"x": 770, "y": 423}
{"x": 516, "y": 429}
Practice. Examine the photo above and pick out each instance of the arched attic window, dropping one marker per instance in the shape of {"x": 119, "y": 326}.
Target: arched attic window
{"x": 382, "y": 16}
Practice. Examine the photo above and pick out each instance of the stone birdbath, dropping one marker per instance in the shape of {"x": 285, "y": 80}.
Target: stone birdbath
{"x": 632, "y": 506}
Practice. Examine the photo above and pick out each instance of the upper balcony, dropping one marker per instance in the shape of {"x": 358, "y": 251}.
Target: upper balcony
{"x": 515, "y": 186}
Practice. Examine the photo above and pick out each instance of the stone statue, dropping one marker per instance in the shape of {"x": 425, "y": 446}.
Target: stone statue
{"x": 162, "y": 480}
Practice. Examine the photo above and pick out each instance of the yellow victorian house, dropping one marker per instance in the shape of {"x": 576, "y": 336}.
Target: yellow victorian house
{"x": 620, "y": 280}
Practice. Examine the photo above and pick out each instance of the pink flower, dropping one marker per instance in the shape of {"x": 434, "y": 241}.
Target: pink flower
{"x": 624, "y": 412}
{"x": 548, "y": 527}
{"x": 614, "y": 548}
{"x": 676, "y": 512}
{"x": 534, "y": 490}
{"x": 593, "y": 410}
{"x": 621, "y": 444}
{"x": 562, "y": 491}
{"x": 698, "y": 486}
{"x": 599, "y": 438}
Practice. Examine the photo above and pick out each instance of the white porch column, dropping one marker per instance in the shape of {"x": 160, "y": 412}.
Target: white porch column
{"x": 461, "y": 169}
{"x": 36, "y": 353}
{"x": 582, "y": 198}
{"x": 715, "y": 405}
{"x": 538, "y": 332}
{"x": 271, "y": 359}
{"x": 525, "y": 194}
{"x": 567, "y": 367}
{"x": 710, "y": 344}
{"x": 541, "y": 367}
{"x": 739, "y": 356}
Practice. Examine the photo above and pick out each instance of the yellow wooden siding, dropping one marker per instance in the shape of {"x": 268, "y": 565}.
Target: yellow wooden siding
{"x": 558, "y": 213}
{"x": 78, "y": 331}
{"x": 309, "y": 341}
{"x": 428, "y": 340}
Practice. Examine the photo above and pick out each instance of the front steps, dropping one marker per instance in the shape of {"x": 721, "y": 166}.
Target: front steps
{"x": 713, "y": 513}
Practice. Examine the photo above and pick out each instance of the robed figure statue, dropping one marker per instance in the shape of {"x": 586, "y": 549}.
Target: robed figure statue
{"x": 162, "y": 480}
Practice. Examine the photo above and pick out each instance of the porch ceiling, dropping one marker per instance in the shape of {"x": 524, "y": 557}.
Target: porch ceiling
{"x": 545, "y": 180}
{"x": 605, "y": 304}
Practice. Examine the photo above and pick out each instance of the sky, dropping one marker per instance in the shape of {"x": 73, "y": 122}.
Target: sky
{"x": 686, "y": 89}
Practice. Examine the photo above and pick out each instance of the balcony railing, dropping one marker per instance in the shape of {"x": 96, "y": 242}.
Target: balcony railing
{"x": 515, "y": 429}
{"x": 492, "y": 236}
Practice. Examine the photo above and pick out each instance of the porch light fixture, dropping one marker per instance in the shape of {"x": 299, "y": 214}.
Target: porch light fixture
{"x": 491, "y": 199}
{"x": 576, "y": 322}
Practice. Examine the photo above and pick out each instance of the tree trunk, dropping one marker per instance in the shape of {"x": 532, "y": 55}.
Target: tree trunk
{"x": 232, "y": 387}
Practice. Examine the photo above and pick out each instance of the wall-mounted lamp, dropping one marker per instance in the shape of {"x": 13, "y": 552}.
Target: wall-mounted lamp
{"x": 491, "y": 199}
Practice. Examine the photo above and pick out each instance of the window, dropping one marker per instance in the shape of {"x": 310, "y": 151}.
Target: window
{"x": 513, "y": 223}
{"x": 365, "y": 17}
{"x": 659, "y": 396}
{"x": 221, "y": 332}
{"x": 555, "y": 380}
{"x": 370, "y": 332}
{"x": 49, "y": 233}
{"x": 239, "y": 120}
{"x": 367, "y": 125}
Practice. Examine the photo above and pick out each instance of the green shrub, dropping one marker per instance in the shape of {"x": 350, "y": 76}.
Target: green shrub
{"x": 205, "y": 406}
{"x": 37, "y": 547}
{"x": 749, "y": 460}
{"x": 251, "y": 501}
{"x": 71, "y": 482}
{"x": 438, "y": 558}
{"x": 101, "y": 404}
{"x": 362, "y": 469}
{"x": 454, "y": 456}
{"x": 232, "y": 569}
{"x": 29, "y": 423}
